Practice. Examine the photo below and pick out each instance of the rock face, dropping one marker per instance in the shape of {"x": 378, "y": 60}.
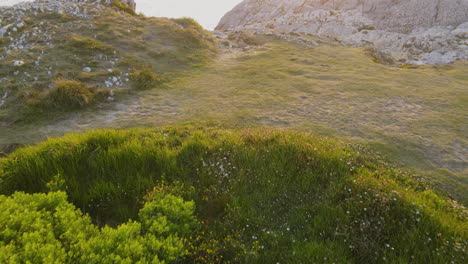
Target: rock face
{"x": 405, "y": 31}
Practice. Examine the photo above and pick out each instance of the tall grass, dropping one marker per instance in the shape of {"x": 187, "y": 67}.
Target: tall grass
{"x": 269, "y": 196}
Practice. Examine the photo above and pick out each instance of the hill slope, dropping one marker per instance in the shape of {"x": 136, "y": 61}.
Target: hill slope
{"x": 104, "y": 47}
{"x": 415, "y": 115}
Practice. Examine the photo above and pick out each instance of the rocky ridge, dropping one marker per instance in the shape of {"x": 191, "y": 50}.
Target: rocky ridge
{"x": 404, "y": 32}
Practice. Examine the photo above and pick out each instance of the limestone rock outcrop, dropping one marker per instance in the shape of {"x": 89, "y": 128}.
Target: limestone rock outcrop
{"x": 405, "y": 31}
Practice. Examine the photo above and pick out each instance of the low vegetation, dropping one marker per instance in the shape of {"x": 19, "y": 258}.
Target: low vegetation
{"x": 98, "y": 48}
{"x": 232, "y": 195}
{"x": 68, "y": 94}
{"x": 46, "y": 228}
{"x": 145, "y": 79}
{"x": 85, "y": 46}
{"x": 259, "y": 196}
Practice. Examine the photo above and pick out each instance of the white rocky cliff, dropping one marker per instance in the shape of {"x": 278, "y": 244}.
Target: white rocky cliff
{"x": 402, "y": 31}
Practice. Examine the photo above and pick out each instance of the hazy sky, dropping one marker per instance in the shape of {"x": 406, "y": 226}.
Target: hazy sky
{"x": 206, "y": 12}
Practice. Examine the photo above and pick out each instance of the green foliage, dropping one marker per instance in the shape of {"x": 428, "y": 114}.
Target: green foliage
{"x": 45, "y": 228}
{"x": 123, "y": 7}
{"x": 68, "y": 94}
{"x": 262, "y": 196}
{"x": 166, "y": 208}
{"x": 145, "y": 79}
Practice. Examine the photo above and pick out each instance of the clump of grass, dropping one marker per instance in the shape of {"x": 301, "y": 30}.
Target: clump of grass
{"x": 89, "y": 46}
{"x": 188, "y": 22}
{"x": 122, "y": 7}
{"x": 69, "y": 94}
{"x": 261, "y": 196}
{"x": 367, "y": 27}
{"x": 409, "y": 66}
{"x": 145, "y": 79}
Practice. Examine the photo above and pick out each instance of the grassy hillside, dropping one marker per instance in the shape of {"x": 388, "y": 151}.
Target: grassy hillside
{"x": 415, "y": 115}
{"x": 260, "y": 196}
{"x": 101, "y": 47}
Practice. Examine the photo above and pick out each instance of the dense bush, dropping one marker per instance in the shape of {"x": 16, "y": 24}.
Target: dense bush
{"x": 69, "y": 94}
{"x": 45, "y": 228}
{"x": 145, "y": 79}
{"x": 261, "y": 196}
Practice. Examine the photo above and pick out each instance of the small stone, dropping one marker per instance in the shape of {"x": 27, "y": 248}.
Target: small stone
{"x": 18, "y": 63}
{"x": 86, "y": 69}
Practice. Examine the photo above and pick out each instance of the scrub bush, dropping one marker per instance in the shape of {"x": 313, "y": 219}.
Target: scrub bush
{"x": 45, "y": 228}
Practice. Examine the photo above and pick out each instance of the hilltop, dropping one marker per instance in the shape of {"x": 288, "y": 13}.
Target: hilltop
{"x": 402, "y": 31}
{"x": 58, "y": 55}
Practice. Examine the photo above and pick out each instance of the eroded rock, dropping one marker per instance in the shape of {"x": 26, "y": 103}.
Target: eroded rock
{"x": 409, "y": 31}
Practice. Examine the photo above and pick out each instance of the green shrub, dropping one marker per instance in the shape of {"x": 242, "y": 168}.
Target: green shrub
{"x": 123, "y": 7}
{"x": 45, "y": 228}
{"x": 145, "y": 79}
{"x": 69, "y": 94}
{"x": 167, "y": 208}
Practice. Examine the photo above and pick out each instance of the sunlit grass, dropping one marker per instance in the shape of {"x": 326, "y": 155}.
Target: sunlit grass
{"x": 414, "y": 115}
{"x": 261, "y": 196}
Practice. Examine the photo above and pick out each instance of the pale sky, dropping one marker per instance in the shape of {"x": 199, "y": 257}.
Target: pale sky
{"x": 206, "y": 12}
